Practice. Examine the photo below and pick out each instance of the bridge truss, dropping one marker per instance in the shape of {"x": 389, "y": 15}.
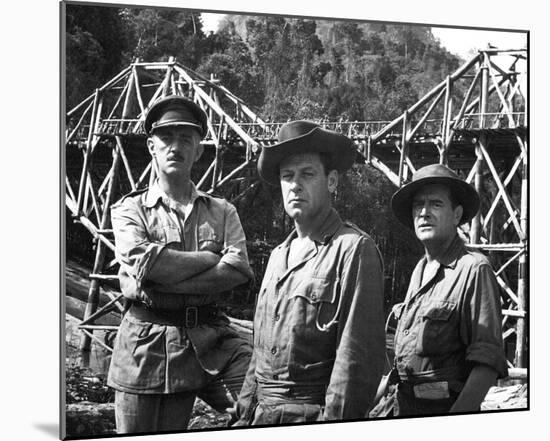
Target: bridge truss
{"x": 475, "y": 121}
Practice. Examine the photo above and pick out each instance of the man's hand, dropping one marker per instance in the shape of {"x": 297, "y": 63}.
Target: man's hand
{"x": 232, "y": 412}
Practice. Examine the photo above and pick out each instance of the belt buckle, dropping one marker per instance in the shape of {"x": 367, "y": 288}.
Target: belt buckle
{"x": 191, "y": 316}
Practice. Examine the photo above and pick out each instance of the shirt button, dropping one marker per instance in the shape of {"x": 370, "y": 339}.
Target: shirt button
{"x": 313, "y": 297}
{"x": 275, "y": 377}
{"x": 273, "y": 351}
{"x": 406, "y": 332}
{"x": 277, "y": 317}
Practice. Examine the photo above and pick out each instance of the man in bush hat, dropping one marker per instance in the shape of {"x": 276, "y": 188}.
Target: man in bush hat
{"x": 318, "y": 326}
{"x": 448, "y": 342}
{"x": 179, "y": 250}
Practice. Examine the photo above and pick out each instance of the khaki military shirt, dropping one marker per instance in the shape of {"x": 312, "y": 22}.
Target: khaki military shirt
{"x": 452, "y": 321}
{"x": 319, "y": 323}
{"x": 154, "y": 358}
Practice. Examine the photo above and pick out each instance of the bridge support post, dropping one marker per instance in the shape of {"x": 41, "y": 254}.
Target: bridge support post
{"x": 93, "y": 293}
{"x": 404, "y": 147}
{"x": 475, "y": 233}
{"x": 522, "y": 275}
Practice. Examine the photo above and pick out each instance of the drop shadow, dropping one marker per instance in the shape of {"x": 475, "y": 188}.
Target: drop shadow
{"x": 51, "y": 429}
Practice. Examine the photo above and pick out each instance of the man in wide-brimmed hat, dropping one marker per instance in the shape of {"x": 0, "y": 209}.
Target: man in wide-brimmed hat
{"x": 318, "y": 325}
{"x": 179, "y": 250}
{"x": 448, "y": 342}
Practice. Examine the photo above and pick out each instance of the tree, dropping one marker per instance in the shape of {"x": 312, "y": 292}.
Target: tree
{"x": 95, "y": 41}
{"x": 157, "y": 34}
{"x": 232, "y": 64}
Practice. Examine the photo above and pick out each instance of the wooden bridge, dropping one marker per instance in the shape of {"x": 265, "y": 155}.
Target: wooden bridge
{"x": 475, "y": 121}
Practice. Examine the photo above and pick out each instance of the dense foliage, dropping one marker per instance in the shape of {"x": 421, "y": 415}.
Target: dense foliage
{"x": 284, "y": 68}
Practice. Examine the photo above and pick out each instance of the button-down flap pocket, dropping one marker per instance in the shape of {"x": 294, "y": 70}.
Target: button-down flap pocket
{"x": 316, "y": 289}
{"x": 207, "y": 232}
{"x": 208, "y": 240}
{"x": 436, "y": 330}
{"x": 164, "y": 233}
{"x": 171, "y": 234}
{"x": 440, "y": 311}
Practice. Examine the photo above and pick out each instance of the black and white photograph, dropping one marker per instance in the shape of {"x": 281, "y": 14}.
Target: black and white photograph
{"x": 290, "y": 219}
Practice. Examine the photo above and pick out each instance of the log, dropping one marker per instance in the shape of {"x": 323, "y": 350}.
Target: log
{"x": 76, "y": 308}
{"x": 90, "y": 419}
{"x": 77, "y": 283}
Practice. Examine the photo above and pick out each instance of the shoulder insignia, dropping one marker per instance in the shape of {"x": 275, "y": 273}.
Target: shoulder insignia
{"x": 131, "y": 194}
{"x": 355, "y": 227}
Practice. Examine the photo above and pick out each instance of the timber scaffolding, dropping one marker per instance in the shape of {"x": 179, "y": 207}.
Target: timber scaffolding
{"x": 475, "y": 121}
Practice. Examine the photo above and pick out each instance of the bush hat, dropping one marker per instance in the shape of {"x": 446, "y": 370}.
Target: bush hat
{"x": 465, "y": 194}
{"x": 305, "y": 137}
{"x": 175, "y": 110}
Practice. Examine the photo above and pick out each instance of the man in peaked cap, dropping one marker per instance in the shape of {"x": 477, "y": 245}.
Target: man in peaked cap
{"x": 318, "y": 326}
{"x": 179, "y": 249}
{"x": 448, "y": 342}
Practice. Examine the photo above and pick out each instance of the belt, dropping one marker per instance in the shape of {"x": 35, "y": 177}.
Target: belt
{"x": 451, "y": 373}
{"x": 187, "y": 317}
{"x": 284, "y": 393}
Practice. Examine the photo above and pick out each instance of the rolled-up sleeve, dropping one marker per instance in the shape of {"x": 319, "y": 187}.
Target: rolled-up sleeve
{"x": 234, "y": 247}
{"x": 360, "y": 340}
{"x": 482, "y": 331}
{"x": 134, "y": 250}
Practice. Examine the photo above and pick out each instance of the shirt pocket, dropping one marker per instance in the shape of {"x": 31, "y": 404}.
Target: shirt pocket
{"x": 139, "y": 360}
{"x": 311, "y": 349}
{"x": 438, "y": 331}
{"x": 209, "y": 239}
{"x": 165, "y": 234}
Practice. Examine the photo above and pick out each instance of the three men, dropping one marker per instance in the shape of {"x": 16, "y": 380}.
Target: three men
{"x": 448, "y": 342}
{"x": 318, "y": 326}
{"x": 179, "y": 249}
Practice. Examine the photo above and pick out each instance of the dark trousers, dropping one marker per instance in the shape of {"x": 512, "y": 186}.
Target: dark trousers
{"x": 407, "y": 404}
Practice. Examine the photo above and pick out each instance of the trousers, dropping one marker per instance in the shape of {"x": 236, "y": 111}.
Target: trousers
{"x": 288, "y": 404}
{"x": 153, "y": 413}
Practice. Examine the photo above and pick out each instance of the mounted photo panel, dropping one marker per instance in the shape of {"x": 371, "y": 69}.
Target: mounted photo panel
{"x": 198, "y": 296}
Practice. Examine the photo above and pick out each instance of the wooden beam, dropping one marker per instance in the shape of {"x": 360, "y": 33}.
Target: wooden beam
{"x": 465, "y": 101}
{"x": 79, "y": 122}
{"x": 441, "y": 86}
{"x": 229, "y": 121}
{"x": 494, "y": 204}
{"x": 427, "y": 114}
{"x": 126, "y": 163}
{"x": 138, "y": 91}
{"x": 509, "y": 261}
{"x": 87, "y": 154}
{"x": 501, "y": 96}
{"x": 497, "y": 180}
{"x": 207, "y": 173}
{"x": 231, "y": 174}
{"x": 144, "y": 174}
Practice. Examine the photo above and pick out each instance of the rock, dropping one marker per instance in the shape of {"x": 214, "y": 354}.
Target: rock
{"x": 506, "y": 397}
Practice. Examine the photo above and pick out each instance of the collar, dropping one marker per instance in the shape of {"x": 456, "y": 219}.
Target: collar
{"x": 453, "y": 252}
{"x": 449, "y": 259}
{"x": 324, "y": 233}
{"x": 155, "y": 193}
{"x": 328, "y": 228}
